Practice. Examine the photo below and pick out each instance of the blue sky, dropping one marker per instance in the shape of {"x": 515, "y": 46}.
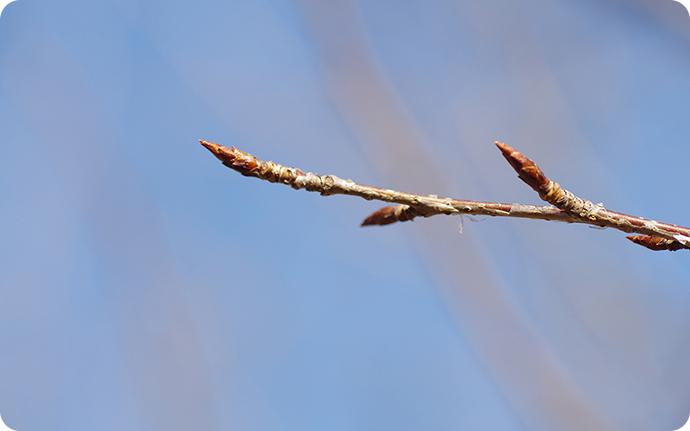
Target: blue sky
{"x": 144, "y": 286}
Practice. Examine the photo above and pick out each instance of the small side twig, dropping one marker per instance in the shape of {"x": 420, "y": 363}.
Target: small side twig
{"x": 567, "y": 207}
{"x": 662, "y": 236}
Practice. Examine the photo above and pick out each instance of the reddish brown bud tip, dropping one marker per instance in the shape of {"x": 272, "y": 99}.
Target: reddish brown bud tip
{"x": 209, "y": 145}
{"x": 527, "y": 170}
{"x": 244, "y": 163}
{"x": 508, "y": 152}
{"x": 384, "y": 216}
{"x": 656, "y": 243}
{"x": 388, "y": 215}
{"x": 221, "y": 152}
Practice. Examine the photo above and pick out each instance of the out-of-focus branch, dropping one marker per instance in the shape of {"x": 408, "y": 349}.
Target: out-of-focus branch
{"x": 567, "y": 207}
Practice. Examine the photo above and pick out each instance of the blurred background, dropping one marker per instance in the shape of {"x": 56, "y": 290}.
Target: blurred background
{"x": 144, "y": 286}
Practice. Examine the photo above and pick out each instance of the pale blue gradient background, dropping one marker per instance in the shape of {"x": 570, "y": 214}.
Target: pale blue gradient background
{"x": 144, "y": 286}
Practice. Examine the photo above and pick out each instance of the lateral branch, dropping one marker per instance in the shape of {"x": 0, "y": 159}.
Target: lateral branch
{"x": 566, "y": 207}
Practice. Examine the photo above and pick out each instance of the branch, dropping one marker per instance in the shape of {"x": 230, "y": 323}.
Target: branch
{"x": 567, "y": 207}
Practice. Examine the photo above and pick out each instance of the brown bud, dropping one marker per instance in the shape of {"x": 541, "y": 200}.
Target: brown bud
{"x": 388, "y": 215}
{"x": 656, "y": 243}
{"x": 527, "y": 170}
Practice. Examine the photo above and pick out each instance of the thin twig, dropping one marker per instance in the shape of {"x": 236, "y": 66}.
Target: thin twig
{"x": 568, "y": 207}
